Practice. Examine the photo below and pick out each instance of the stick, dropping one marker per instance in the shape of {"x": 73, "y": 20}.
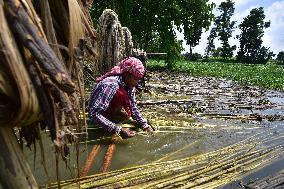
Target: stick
{"x": 175, "y": 152}
{"x": 150, "y": 102}
{"x": 43, "y": 160}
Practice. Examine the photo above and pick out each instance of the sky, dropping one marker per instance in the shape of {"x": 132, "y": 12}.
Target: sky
{"x": 273, "y": 36}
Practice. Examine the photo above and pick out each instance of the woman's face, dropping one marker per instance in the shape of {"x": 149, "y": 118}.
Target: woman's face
{"x": 130, "y": 80}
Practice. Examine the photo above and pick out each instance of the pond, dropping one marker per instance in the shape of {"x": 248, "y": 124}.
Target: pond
{"x": 212, "y": 119}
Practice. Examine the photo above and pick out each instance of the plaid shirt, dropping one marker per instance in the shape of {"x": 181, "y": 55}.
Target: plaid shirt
{"x": 100, "y": 98}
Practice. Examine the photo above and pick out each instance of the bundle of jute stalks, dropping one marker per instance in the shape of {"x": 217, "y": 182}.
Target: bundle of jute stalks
{"x": 114, "y": 41}
{"x": 43, "y": 45}
{"x": 110, "y": 38}
{"x": 208, "y": 170}
{"x": 128, "y": 50}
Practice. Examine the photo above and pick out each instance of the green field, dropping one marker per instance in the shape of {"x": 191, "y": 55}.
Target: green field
{"x": 270, "y": 76}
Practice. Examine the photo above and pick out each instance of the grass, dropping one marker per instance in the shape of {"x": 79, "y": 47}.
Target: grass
{"x": 269, "y": 76}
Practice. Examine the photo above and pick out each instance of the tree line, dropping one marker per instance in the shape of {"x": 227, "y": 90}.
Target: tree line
{"x": 250, "y": 39}
{"x": 153, "y": 23}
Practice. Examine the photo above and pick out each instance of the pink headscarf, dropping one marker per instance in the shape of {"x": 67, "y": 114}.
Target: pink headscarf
{"x": 132, "y": 65}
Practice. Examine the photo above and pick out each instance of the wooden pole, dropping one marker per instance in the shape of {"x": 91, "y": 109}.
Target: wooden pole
{"x": 156, "y": 53}
{"x": 14, "y": 170}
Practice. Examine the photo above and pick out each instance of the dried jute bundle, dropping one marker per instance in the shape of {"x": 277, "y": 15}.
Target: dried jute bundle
{"x": 110, "y": 45}
{"x": 18, "y": 101}
{"x": 128, "y": 50}
{"x": 43, "y": 45}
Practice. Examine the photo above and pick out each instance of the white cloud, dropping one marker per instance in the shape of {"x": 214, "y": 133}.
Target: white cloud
{"x": 274, "y": 35}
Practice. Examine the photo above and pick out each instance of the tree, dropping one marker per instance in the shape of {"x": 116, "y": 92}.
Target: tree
{"x": 210, "y": 44}
{"x": 217, "y": 52}
{"x": 193, "y": 24}
{"x": 280, "y": 57}
{"x": 152, "y": 22}
{"x": 223, "y": 28}
{"x": 192, "y": 39}
{"x": 226, "y": 27}
{"x": 252, "y": 27}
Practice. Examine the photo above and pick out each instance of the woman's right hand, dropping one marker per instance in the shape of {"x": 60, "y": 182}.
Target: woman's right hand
{"x": 126, "y": 133}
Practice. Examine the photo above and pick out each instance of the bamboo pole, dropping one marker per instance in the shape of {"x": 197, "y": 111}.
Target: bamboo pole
{"x": 76, "y": 31}
{"x": 87, "y": 19}
{"x": 14, "y": 169}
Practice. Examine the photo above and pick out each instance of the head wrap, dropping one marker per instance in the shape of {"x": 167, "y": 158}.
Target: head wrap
{"x": 132, "y": 65}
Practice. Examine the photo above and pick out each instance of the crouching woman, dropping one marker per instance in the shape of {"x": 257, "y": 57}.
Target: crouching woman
{"x": 112, "y": 100}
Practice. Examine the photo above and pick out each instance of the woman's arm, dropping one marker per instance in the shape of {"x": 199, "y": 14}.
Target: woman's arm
{"x": 99, "y": 102}
{"x": 135, "y": 113}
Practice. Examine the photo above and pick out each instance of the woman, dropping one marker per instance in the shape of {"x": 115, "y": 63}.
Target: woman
{"x": 113, "y": 99}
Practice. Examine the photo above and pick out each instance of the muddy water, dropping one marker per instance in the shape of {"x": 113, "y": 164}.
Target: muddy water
{"x": 192, "y": 116}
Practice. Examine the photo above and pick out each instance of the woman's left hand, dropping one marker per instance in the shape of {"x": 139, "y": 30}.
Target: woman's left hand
{"x": 148, "y": 129}
{"x": 126, "y": 133}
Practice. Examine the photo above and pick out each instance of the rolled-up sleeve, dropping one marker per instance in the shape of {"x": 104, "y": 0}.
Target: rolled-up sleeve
{"x": 99, "y": 102}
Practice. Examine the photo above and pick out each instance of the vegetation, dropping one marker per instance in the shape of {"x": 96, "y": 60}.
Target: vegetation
{"x": 152, "y": 23}
{"x": 192, "y": 56}
{"x": 226, "y": 28}
{"x": 269, "y": 76}
{"x": 251, "y": 49}
{"x": 161, "y": 19}
{"x": 280, "y": 57}
{"x": 223, "y": 28}
{"x": 210, "y": 44}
